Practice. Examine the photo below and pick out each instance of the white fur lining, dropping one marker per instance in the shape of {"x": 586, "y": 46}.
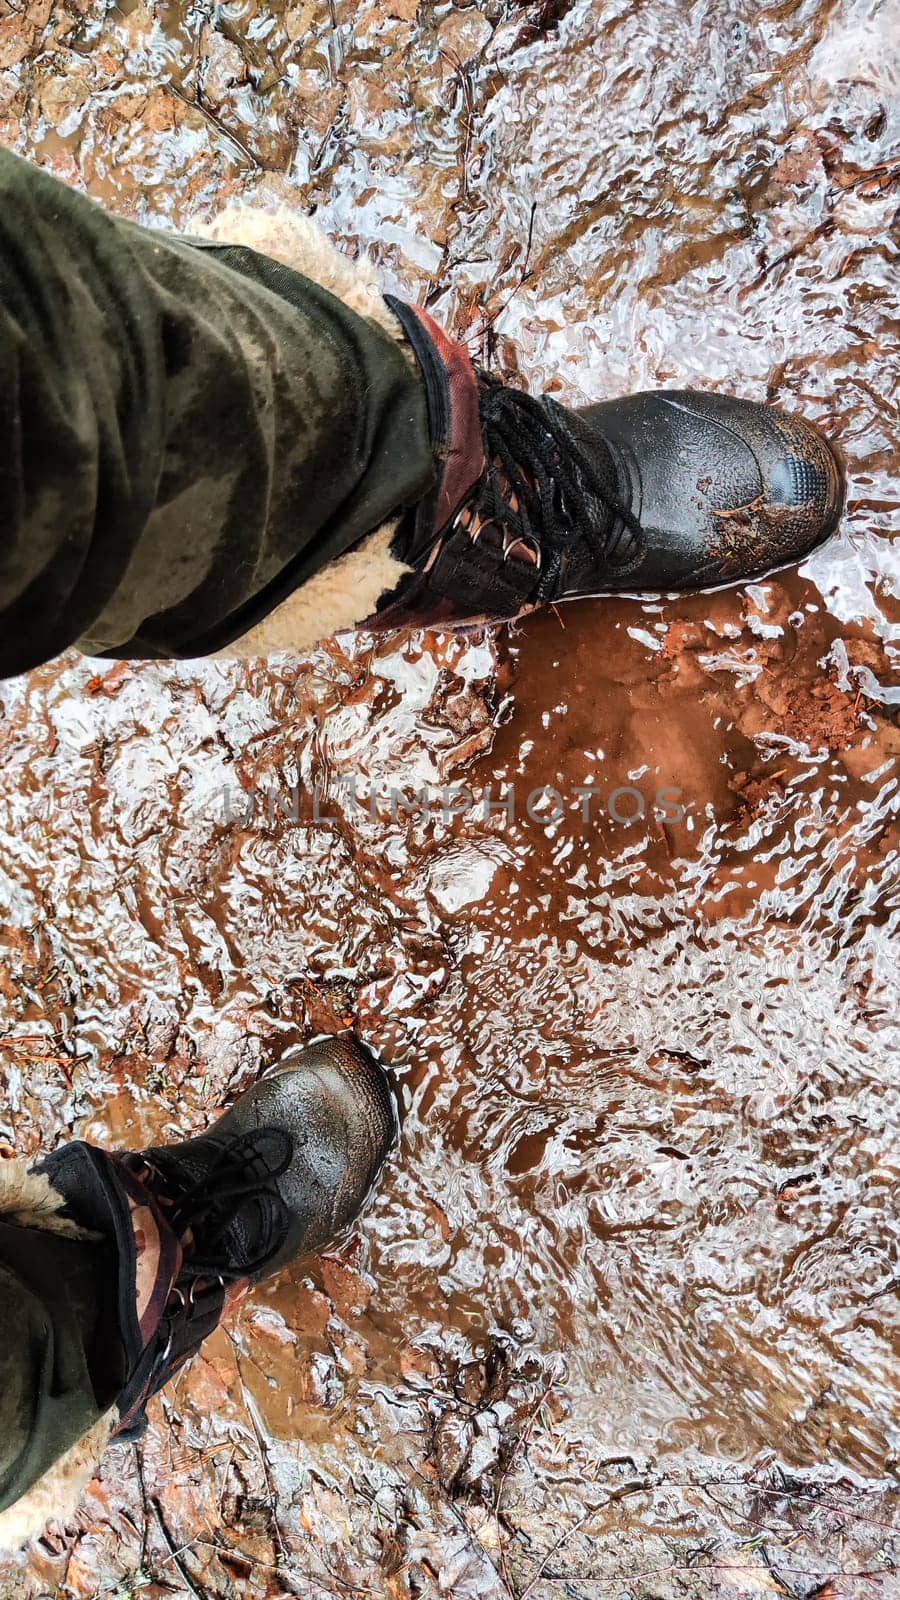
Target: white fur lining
{"x": 289, "y": 236}
{"x": 340, "y": 596}
{"x": 29, "y": 1199}
{"x": 55, "y": 1495}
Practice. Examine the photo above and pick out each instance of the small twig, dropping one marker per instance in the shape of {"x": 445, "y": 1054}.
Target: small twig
{"x": 314, "y": 165}
{"x": 465, "y": 82}
{"x": 525, "y": 272}
{"x": 518, "y": 1448}
{"x": 250, "y": 1408}
{"x": 139, "y": 1465}
{"x": 795, "y": 1494}
{"x": 244, "y": 46}
{"x": 464, "y": 1528}
{"x": 554, "y": 1548}
{"x": 823, "y": 1573}
{"x": 180, "y": 1568}
{"x": 196, "y": 104}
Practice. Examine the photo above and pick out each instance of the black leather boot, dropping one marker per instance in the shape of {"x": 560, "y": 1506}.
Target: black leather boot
{"x": 536, "y": 503}
{"x": 196, "y": 1224}
{"x": 285, "y": 1170}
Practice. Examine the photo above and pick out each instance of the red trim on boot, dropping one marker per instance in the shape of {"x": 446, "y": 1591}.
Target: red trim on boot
{"x": 462, "y": 448}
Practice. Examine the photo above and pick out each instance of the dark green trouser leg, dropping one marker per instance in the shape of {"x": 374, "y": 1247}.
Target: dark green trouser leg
{"x": 61, "y": 1363}
{"x": 186, "y": 432}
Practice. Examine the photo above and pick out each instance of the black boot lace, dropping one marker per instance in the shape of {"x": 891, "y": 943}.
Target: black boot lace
{"x": 221, "y": 1200}
{"x": 561, "y": 497}
{"x": 204, "y": 1211}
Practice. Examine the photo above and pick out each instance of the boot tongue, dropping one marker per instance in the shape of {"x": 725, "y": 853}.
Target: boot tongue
{"x": 219, "y": 1198}
{"x": 622, "y": 542}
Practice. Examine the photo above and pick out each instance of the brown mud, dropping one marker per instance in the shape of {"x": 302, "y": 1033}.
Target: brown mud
{"x": 621, "y": 1319}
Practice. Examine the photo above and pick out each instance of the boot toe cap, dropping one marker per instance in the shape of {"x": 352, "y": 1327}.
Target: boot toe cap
{"x": 772, "y": 491}
{"x": 803, "y": 484}
{"x": 335, "y": 1103}
{"x": 346, "y": 1122}
{"x": 724, "y": 489}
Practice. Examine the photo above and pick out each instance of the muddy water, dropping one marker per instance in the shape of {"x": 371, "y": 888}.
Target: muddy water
{"x": 646, "y": 1048}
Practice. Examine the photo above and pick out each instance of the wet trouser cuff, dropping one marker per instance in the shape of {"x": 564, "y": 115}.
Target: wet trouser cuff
{"x": 208, "y": 427}
{"x": 89, "y": 1278}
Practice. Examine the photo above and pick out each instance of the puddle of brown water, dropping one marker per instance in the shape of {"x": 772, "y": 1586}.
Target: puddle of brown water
{"x": 647, "y": 1068}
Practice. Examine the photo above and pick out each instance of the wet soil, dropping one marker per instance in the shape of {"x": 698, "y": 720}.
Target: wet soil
{"x": 622, "y": 1317}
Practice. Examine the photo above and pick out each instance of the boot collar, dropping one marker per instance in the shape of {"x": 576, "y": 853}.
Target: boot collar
{"x": 451, "y": 390}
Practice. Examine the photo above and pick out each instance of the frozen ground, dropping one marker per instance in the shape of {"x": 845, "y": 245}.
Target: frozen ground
{"x": 621, "y": 1319}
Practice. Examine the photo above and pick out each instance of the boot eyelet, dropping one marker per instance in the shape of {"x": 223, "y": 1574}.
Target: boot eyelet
{"x": 161, "y": 1360}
